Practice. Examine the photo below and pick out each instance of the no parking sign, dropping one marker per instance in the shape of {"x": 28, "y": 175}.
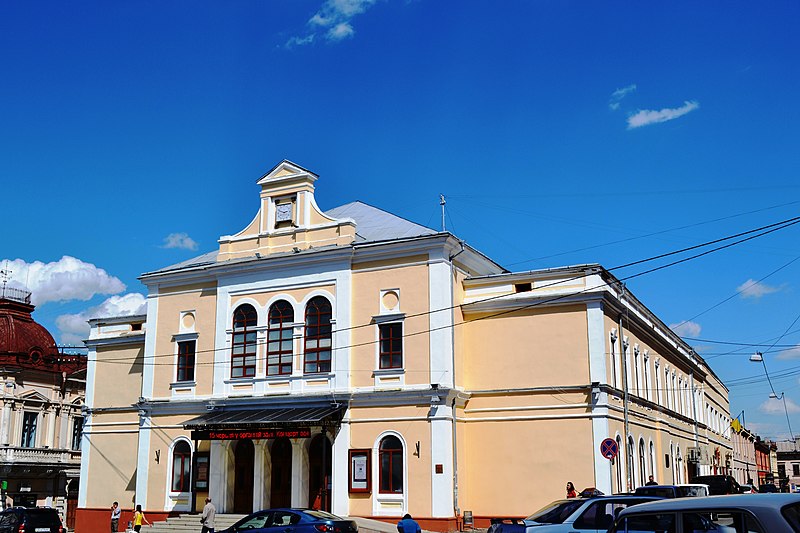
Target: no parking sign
{"x": 609, "y": 449}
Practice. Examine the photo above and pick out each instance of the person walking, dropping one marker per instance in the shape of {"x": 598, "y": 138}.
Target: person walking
{"x": 408, "y": 525}
{"x": 138, "y": 518}
{"x": 116, "y": 512}
{"x": 571, "y": 490}
{"x": 207, "y": 518}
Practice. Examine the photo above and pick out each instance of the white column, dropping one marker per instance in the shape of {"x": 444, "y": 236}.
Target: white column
{"x": 63, "y": 436}
{"x": 51, "y": 428}
{"x": 218, "y": 475}
{"x": 299, "y": 473}
{"x": 6, "y": 425}
{"x": 258, "y": 473}
{"x": 598, "y": 401}
{"x": 339, "y": 471}
{"x": 440, "y": 320}
{"x": 143, "y": 460}
{"x": 441, "y": 454}
{"x": 267, "y": 479}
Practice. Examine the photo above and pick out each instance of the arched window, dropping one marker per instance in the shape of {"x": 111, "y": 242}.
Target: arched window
{"x": 631, "y": 462}
{"x": 243, "y": 355}
{"x": 279, "y": 339}
{"x": 652, "y": 459}
{"x": 181, "y": 463}
{"x": 318, "y": 336}
{"x": 390, "y": 460}
{"x": 642, "y": 464}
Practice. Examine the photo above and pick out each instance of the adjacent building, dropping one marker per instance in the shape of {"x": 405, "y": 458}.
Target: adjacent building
{"x": 41, "y": 420}
{"x": 350, "y": 360}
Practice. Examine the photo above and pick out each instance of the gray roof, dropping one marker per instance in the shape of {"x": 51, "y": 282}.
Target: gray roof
{"x": 372, "y": 224}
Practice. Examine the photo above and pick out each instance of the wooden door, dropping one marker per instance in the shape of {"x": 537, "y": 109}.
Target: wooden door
{"x": 244, "y": 460}
{"x": 281, "y": 489}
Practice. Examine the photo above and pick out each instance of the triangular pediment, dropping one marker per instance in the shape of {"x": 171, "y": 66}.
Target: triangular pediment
{"x": 286, "y": 170}
{"x": 34, "y": 395}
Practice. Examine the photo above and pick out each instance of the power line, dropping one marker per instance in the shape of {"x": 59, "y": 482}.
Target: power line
{"x": 752, "y": 234}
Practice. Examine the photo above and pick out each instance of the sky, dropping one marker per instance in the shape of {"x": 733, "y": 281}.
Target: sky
{"x": 560, "y": 132}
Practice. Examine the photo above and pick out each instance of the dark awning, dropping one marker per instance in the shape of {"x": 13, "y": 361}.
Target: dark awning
{"x": 228, "y": 418}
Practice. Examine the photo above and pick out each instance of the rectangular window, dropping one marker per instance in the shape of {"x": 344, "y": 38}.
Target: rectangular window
{"x": 29, "y": 430}
{"x": 186, "y": 351}
{"x": 796, "y": 470}
{"x": 391, "y": 345}
{"x": 77, "y": 432}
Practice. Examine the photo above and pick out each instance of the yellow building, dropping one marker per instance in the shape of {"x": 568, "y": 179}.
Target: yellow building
{"x": 354, "y": 361}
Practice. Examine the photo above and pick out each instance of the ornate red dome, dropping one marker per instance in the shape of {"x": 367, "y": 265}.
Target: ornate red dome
{"x": 26, "y": 343}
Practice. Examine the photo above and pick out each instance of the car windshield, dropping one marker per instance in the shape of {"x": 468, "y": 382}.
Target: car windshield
{"x": 792, "y": 515}
{"x": 692, "y": 491}
{"x": 556, "y": 512}
{"x": 8, "y": 519}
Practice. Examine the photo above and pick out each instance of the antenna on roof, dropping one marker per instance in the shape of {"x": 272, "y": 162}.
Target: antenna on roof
{"x": 441, "y": 203}
{"x": 5, "y": 274}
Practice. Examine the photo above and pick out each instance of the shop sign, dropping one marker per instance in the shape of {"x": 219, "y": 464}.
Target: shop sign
{"x": 242, "y": 434}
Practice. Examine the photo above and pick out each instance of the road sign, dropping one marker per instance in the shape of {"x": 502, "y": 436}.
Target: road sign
{"x": 609, "y": 449}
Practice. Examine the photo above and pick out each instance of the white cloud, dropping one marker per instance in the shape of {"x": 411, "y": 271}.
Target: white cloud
{"x": 755, "y": 289}
{"x": 74, "y": 328}
{"x": 179, "y": 240}
{"x": 334, "y": 18}
{"x": 774, "y": 406}
{"x": 686, "y": 329}
{"x": 645, "y": 117}
{"x": 66, "y": 279}
{"x": 791, "y": 353}
{"x": 619, "y": 94}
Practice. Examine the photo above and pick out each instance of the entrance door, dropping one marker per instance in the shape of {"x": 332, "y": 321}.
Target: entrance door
{"x": 244, "y": 459}
{"x": 319, "y": 473}
{"x": 281, "y": 490}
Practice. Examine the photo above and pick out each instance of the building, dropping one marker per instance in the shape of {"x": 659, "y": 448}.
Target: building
{"x": 41, "y": 420}
{"x": 744, "y": 454}
{"x": 789, "y": 465}
{"x": 763, "y": 464}
{"x": 351, "y": 360}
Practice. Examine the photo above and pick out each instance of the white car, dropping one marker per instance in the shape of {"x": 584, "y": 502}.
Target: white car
{"x": 751, "y": 513}
{"x": 594, "y": 514}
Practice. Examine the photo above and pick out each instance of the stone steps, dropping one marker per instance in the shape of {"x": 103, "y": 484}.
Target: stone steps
{"x": 186, "y": 523}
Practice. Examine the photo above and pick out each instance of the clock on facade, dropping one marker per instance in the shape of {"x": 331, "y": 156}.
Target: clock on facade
{"x": 283, "y": 212}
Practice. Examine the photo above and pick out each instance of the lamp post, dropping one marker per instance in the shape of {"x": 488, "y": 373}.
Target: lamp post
{"x": 758, "y": 357}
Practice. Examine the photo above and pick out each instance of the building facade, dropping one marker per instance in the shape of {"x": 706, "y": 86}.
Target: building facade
{"x": 353, "y": 361}
{"x": 744, "y": 454}
{"x": 41, "y": 421}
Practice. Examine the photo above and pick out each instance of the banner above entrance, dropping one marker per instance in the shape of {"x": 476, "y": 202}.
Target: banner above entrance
{"x": 227, "y": 420}
{"x": 240, "y": 434}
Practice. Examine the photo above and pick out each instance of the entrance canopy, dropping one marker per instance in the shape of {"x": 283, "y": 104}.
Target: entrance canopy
{"x": 227, "y": 419}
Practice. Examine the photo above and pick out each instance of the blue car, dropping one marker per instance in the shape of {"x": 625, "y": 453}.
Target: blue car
{"x": 292, "y": 521}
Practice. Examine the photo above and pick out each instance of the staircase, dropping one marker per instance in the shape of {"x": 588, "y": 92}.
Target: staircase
{"x": 190, "y": 523}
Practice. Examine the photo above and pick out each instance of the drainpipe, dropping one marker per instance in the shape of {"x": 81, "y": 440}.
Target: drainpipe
{"x": 456, "y": 509}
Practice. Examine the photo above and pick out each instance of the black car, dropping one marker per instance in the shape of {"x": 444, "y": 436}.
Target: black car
{"x": 719, "y": 484}
{"x": 35, "y": 520}
{"x": 294, "y": 520}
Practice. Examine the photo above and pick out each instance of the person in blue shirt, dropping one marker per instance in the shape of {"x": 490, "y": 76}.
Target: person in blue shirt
{"x": 408, "y": 525}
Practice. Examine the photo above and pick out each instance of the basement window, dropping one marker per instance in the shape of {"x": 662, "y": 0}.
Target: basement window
{"x": 522, "y": 287}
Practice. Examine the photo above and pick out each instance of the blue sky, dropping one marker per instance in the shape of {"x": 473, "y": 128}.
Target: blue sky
{"x": 133, "y": 134}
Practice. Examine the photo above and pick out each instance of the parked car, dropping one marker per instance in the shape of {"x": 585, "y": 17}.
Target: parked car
{"x": 673, "y": 491}
{"x": 719, "y": 484}
{"x": 747, "y": 489}
{"x": 577, "y": 515}
{"x": 768, "y": 487}
{"x": 38, "y": 520}
{"x": 294, "y": 520}
{"x": 753, "y": 513}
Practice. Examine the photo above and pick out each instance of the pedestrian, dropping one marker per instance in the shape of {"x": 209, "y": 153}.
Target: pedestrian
{"x": 408, "y": 525}
{"x": 116, "y": 512}
{"x": 138, "y": 518}
{"x": 207, "y": 518}
{"x": 650, "y": 480}
{"x": 571, "y": 490}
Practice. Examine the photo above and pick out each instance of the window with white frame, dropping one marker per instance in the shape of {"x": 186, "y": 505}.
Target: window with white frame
{"x": 29, "y": 422}
{"x": 77, "y": 432}
{"x": 318, "y": 336}
{"x": 647, "y": 384}
{"x": 279, "y": 339}
{"x": 181, "y": 467}
{"x": 186, "y": 361}
{"x": 243, "y": 351}
{"x": 659, "y": 394}
{"x": 390, "y": 465}
{"x": 390, "y": 345}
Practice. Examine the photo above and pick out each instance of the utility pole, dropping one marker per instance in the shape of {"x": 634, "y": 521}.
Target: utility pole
{"x": 625, "y": 401}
